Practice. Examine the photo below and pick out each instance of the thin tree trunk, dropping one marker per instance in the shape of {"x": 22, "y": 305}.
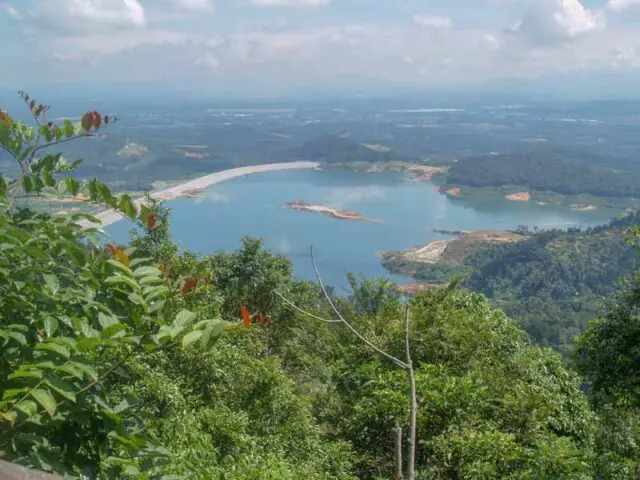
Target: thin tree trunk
{"x": 413, "y": 403}
{"x": 397, "y": 430}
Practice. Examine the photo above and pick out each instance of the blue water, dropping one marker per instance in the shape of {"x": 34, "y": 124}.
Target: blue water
{"x": 253, "y": 206}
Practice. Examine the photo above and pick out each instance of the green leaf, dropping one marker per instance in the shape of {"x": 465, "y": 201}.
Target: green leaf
{"x": 18, "y": 337}
{"x": 113, "y": 330}
{"x": 90, "y": 343}
{"x": 85, "y": 216}
{"x": 45, "y": 131}
{"x": 86, "y": 369}
{"x": 23, "y": 373}
{"x": 147, "y": 272}
{"x": 154, "y": 293}
{"x": 52, "y": 281}
{"x": 122, "y": 280}
{"x": 126, "y": 404}
{"x": 138, "y": 261}
{"x": 106, "y": 321}
{"x": 45, "y": 399}
{"x": 28, "y": 407}
{"x": 61, "y": 387}
{"x": 105, "y": 193}
{"x": 55, "y": 348}
{"x": 68, "y": 128}
{"x": 137, "y": 299}
{"x": 184, "y": 318}
{"x": 127, "y": 206}
{"x": 27, "y": 183}
{"x": 212, "y": 333}
{"x": 73, "y": 186}
{"x": 120, "y": 266}
{"x": 147, "y": 280}
{"x": 191, "y": 337}
{"x": 48, "y": 179}
{"x": 50, "y": 325}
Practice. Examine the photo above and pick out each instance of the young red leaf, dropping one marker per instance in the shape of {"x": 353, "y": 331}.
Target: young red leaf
{"x": 87, "y": 121}
{"x": 245, "y": 316}
{"x": 189, "y": 286}
{"x": 112, "y": 248}
{"x": 97, "y": 120}
{"x": 152, "y": 221}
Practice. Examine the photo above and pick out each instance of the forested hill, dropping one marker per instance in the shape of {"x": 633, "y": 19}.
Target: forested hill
{"x": 340, "y": 149}
{"x": 542, "y": 171}
{"x": 553, "y": 282}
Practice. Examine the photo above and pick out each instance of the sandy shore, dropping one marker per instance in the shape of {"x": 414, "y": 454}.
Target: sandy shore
{"x": 111, "y": 216}
{"x": 302, "y": 206}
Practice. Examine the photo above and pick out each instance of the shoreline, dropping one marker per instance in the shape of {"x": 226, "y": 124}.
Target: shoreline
{"x": 340, "y": 214}
{"x": 109, "y": 217}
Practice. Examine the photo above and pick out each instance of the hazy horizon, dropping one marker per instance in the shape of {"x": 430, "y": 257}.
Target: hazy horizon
{"x": 516, "y": 49}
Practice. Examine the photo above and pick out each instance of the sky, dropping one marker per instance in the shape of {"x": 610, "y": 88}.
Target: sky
{"x": 277, "y": 46}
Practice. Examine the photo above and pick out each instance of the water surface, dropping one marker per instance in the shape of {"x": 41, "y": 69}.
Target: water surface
{"x": 253, "y": 206}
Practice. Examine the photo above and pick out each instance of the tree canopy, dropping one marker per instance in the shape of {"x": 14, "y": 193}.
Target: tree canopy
{"x": 143, "y": 361}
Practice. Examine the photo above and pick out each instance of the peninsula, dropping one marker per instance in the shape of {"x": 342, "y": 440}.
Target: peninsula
{"x": 341, "y": 214}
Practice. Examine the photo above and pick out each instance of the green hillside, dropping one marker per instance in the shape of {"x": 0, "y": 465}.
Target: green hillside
{"x": 542, "y": 171}
{"x": 553, "y": 282}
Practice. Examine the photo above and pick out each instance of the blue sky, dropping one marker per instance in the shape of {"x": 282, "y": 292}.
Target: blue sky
{"x": 275, "y": 46}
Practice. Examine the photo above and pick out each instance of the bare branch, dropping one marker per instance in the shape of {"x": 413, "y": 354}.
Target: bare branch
{"x": 304, "y": 312}
{"x": 397, "y": 430}
{"x": 413, "y": 407}
{"x": 63, "y": 140}
{"x": 393, "y": 359}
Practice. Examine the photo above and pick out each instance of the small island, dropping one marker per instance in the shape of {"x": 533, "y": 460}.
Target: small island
{"x": 302, "y": 206}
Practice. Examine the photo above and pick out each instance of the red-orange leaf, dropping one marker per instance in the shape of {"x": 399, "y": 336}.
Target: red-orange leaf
{"x": 97, "y": 120}
{"x": 152, "y": 221}
{"x": 87, "y": 121}
{"x": 112, "y": 248}
{"x": 245, "y": 316}
{"x": 122, "y": 257}
{"x": 189, "y": 286}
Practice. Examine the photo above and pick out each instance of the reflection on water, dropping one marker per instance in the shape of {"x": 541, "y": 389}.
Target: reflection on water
{"x": 253, "y": 206}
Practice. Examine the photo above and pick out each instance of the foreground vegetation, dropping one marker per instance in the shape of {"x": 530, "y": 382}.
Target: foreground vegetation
{"x": 140, "y": 361}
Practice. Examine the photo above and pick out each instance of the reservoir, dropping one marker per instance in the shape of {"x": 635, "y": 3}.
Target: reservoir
{"x": 253, "y": 205}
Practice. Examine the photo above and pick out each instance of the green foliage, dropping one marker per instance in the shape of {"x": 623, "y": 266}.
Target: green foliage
{"x": 542, "y": 171}
{"x": 553, "y": 282}
{"x": 108, "y": 367}
{"x": 491, "y": 405}
{"x": 70, "y": 317}
{"x": 338, "y": 149}
{"x": 607, "y": 354}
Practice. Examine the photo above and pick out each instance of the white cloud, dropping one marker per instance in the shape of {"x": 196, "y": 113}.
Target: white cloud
{"x": 208, "y": 60}
{"x": 193, "y": 5}
{"x": 491, "y": 41}
{"x": 12, "y": 11}
{"x": 556, "y": 37}
{"x": 432, "y": 21}
{"x": 554, "y": 20}
{"x": 291, "y": 3}
{"x": 105, "y": 44}
{"x": 621, "y": 5}
{"x": 89, "y": 14}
